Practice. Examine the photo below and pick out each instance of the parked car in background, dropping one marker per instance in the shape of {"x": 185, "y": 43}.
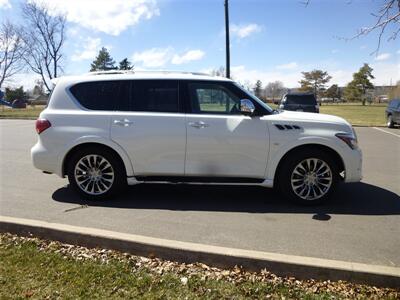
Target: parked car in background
{"x": 306, "y": 102}
{"x": 393, "y": 113}
{"x": 108, "y": 129}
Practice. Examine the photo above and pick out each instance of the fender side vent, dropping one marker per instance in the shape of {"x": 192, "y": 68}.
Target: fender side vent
{"x": 287, "y": 127}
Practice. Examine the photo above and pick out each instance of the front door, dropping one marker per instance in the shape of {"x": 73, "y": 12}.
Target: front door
{"x": 221, "y": 141}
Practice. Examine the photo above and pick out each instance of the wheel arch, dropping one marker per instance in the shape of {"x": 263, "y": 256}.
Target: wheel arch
{"x": 326, "y": 149}
{"x": 121, "y": 156}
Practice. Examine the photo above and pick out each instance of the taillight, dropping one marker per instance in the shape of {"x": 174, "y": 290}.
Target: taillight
{"x": 42, "y": 125}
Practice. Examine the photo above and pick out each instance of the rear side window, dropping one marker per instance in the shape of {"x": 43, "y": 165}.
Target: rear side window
{"x": 101, "y": 95}
{"x": 155, "y": 96}
{"x": 301, "y": 99}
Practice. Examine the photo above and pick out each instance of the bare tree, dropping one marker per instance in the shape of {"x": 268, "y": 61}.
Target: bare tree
{"x": 44, "y": 36}
{"x": 11, "y": 51}
{"x": 219, "y": 72}
{"x": 274, "y": 89}
{"x": 388, "y": 15}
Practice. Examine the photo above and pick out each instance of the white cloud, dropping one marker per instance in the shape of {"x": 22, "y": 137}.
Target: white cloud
{"x": 153, "y": 58}
{"x": 334, "y": 51}
{"x": 243, "y": 31}
{"x": 27, "y": 80}
{"x": 383, "y": 56}
{"x": 5, "y": 4}
{"x": 111, "y": 17}
{"x": 90, "y": 49}
{"x": 159, "y": 57}
{"x": 188, "y": 56}
{"x": 398, "y": 52}
{"x": 242, "y": 74}
{"x": 385, "y": 73}
{"x": 289, "y": 66}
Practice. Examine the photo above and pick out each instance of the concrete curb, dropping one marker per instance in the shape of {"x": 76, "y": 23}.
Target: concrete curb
{"x": 280, "y": 264}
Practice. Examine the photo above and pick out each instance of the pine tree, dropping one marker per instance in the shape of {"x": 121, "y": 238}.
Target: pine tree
{"x": 125, "y": 64}
{"x": 333, "y": 92}
{"x": 314, "y": 81}
{"x": 103, "y": 61}
{"x": 357, "y": 88}
{"x": 258, "y": 89}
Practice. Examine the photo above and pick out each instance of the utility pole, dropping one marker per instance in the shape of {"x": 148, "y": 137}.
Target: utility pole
{"x": 228, "y": 63}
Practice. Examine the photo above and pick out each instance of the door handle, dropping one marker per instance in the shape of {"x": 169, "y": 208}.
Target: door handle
{"x": 199, "y": 125}
{"x": 124, "y": 122}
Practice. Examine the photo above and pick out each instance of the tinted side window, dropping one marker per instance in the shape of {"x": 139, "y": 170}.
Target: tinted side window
{"x": 101, "y": 95}
{"x": 301, "y": 99}
{"x": 155, "y": 96}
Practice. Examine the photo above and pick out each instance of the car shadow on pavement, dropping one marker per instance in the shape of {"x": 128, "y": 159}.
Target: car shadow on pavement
{"x": 351, "y": 199}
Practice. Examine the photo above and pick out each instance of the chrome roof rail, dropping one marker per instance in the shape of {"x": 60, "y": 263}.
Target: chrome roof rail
{"x": 116, "y": 72}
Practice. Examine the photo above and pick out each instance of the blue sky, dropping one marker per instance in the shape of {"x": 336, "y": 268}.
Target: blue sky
{"x": 270, "y": 39}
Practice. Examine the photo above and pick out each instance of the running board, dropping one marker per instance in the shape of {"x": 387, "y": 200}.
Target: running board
{"x": 201, "y": 180}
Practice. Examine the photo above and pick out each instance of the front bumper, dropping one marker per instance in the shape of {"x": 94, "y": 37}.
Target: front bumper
{"x": 353, "y": 166}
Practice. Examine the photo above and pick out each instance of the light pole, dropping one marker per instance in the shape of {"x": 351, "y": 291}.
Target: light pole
{"x": 228, "y": 66}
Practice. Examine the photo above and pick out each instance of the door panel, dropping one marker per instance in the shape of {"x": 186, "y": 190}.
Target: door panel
{"x": 220, "y": 140}
{"x": 231, "y": 146}
{"x": 155, "y": 142}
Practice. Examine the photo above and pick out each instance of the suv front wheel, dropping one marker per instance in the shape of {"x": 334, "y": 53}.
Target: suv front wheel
{"x": 390, "y": 123}
{"x": 95, "y": 173}
{"x": 308, "y": 177}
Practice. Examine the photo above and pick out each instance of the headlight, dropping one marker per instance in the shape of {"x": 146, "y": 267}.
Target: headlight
{"x": 349, "y": 139}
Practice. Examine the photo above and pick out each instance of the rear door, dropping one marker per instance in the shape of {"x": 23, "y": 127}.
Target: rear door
{"x": 150, "y": 126}
{"x": 222, "y": 142}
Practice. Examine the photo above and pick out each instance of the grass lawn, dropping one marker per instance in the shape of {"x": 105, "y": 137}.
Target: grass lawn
{"x": 29, "y": 112}
{"x": 33, "y": 268}
{"x": 357, "y": 114}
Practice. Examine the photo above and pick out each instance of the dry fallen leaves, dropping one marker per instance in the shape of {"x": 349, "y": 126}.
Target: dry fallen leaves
{"x": 235, "y": 275}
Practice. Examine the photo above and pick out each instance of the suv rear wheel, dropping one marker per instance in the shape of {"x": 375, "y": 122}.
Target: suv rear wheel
{"x": 308, "y": 177}
{"x": 95, "y": 173}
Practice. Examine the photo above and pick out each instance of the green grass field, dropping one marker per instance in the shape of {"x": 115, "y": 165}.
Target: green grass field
{"x": 356, "y": 114}
{"x": 38, "y": 269}
{"x": 368, "y": 115}
{"x": 31, "y": 112}
{"x": 26, "y": 272}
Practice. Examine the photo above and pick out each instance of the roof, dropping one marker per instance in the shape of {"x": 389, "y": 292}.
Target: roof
{"x": 300, "y": 93}
{"x": 126, "y": 75}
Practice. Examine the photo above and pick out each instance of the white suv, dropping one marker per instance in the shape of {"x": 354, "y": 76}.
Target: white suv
{"x": 107, "y": 129}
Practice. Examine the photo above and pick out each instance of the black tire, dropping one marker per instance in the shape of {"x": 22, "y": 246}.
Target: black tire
{"x": 390, "y": 123}
{"x": 117, "y": 168}
{"x": 287, "y": 169}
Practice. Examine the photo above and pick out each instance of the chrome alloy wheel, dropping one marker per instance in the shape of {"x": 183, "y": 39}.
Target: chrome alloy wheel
{"x": 311, "y": 179}
{"x": 94, "y": 174}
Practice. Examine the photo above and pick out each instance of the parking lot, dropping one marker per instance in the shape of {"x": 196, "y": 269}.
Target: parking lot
{"x": 361, "y": 223}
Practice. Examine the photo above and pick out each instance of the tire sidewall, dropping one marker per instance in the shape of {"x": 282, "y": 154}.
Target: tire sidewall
{"x": 292, "y": 161}
{"x": 390, "y": 123}
{"x": 116, "y": 164}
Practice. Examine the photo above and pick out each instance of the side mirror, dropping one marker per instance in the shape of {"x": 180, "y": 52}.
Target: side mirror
{"x": 247, "y": 107}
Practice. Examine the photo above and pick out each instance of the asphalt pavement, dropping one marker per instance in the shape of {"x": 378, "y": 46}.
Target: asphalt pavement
{"x": 360, "y": 224}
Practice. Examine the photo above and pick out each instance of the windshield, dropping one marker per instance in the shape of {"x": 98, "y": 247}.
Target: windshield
{"x": 300, "y": 99}
{"x": 259, "y": 101}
